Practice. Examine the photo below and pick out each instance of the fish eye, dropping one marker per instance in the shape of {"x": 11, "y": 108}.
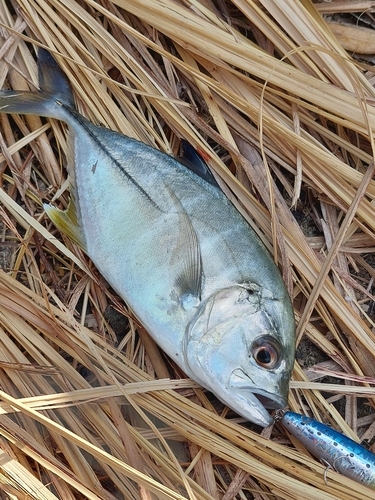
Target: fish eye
{"x": 266, "y": 352}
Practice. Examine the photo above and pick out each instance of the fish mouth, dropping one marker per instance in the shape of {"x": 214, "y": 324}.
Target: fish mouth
{"x": 274, "y": 403}
{"x": 251, "y": 401}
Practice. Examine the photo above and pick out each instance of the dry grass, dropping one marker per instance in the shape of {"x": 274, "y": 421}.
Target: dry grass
{"x": 265, "y": 87}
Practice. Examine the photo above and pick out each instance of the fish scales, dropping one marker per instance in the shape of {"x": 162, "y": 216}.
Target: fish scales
{"x": 342, "y": 453}
{"x": 177, "y": 251}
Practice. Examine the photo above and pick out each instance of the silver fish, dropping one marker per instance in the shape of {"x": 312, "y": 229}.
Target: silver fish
{"x": 342, "y": 453}
{"x": 176, "y": 250}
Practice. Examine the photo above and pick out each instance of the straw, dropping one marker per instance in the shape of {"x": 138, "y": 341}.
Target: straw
{"x": 285, "y": 118}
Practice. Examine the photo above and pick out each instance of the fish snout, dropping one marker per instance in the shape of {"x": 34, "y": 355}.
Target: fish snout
{"x": 234, "y": 348}
{"x": 273, "y": 394}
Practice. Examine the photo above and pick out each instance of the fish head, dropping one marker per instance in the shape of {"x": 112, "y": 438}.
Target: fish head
{"x": 240, "y": 345}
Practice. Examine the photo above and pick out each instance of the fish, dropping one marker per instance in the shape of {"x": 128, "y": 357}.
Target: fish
{"x": 333, "y": 448}
{"x": 172, "y": 245}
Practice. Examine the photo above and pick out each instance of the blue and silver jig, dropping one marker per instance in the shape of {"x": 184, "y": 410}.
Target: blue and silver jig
{"x": 338, "y": 451}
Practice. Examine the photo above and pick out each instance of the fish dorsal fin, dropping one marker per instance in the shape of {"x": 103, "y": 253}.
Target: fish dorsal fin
{"x": 194, "y": 162}
{"x": 186, "y": 258}
{"x": 52, "y": 80}
{"x": 67, "y": 222}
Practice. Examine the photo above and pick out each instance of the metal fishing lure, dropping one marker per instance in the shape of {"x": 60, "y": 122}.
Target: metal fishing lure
{"x": 341, "y": 453}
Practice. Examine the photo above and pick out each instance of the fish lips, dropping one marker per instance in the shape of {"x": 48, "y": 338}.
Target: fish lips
{"x": 252, "y": 403}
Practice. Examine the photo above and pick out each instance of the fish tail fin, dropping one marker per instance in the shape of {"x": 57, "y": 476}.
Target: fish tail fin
{"x": 67, "y": 222}
{"x": 54, "y": 96}
{"x": 52, "y": 81}
{"x": 29, "y": 103}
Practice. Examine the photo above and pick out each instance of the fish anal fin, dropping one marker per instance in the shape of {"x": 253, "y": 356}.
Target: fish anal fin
{"x": 67, "y": 222}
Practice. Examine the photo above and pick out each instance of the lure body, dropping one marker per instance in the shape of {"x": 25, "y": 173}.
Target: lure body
{"x": 177, "y": 251}
{"x": 331, "y": 447}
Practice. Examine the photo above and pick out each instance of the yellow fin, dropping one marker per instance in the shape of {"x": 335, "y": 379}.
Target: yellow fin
{"x": 67, "y": 222}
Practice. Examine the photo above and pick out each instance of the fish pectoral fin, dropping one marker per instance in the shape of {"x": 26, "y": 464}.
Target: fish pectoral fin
{"x": 67, "y": 222}
{"x": 186, "y": 258}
